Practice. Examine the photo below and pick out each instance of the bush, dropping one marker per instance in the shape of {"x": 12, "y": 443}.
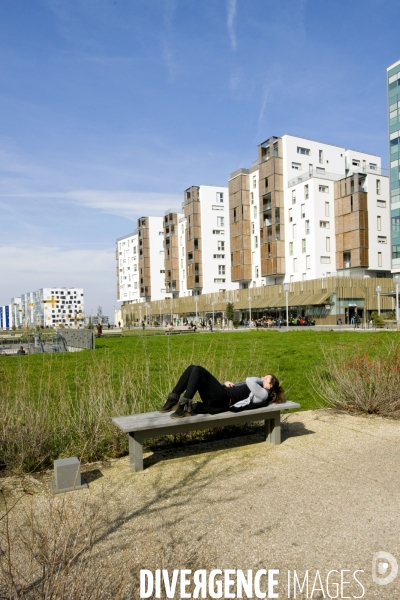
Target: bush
{"x": 378, "y": 320}
{"x": 362, "y": 383}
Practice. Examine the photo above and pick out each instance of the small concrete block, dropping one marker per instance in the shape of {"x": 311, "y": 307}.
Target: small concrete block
{"x": 67, "y": 475}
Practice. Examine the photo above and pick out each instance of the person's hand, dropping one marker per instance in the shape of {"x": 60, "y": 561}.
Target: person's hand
{"x": 229, "y": 384}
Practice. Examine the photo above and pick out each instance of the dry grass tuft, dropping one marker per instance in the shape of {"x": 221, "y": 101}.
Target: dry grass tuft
{"x": 362, "y": 383}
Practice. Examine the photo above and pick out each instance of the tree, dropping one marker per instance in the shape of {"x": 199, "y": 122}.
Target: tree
{"x": 229, "y": 311}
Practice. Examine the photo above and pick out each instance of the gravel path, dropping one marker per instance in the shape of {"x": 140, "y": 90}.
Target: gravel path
{"x": 326, "y": 498}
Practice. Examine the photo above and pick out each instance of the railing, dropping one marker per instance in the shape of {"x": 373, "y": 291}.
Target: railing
{"x": 315, "y": 172}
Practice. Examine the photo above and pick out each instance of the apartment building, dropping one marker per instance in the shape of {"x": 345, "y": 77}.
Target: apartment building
{"x": 53, "y": 307}
{"x": 175, "y": 253}
{"x": 140, "y": 263}
{"x": 207, "y": 239}
{"x": 5, "y": 317}
{"x": 283, "y": 214}
{"x": 393, "y": 87}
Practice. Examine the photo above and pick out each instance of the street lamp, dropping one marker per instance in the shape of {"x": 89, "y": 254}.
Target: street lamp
{"x": 249, "y": 299}
{"x": 286, "y": 288}
{"x": 396, "y": 279}
{"x": 378, "y": 290}
{"x": 170, "y": 305}
{"x": 196, "y": 299}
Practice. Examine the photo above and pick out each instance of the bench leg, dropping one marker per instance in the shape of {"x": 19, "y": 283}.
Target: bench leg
{"x": 273, "y": 428}
{"x": 135, "y": 452}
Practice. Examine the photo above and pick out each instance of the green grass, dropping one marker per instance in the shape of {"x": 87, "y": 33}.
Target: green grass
{"x": 61, "y": 404}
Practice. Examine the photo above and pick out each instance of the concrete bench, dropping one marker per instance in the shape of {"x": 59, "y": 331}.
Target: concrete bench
{"x": 111, "y": 333}
{"x": 154, "y": 424}
{"x": 176, "y": 330}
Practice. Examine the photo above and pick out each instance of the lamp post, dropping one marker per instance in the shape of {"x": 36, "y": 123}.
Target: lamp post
{"x": 396, "y": 279}
{"x": 378, "y": 290}
{"x": 115, "y": 313}
{"x": 249, "y": 299}
{"x": 212, "y": 304}
{"x": 170, "y": 305}
{"x": 196, "y": 299}
{"x": 147, "y": 305}
{"x": 286, "y": 288}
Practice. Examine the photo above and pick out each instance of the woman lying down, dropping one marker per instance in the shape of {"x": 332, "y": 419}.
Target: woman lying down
{"x": 219, "y": 397}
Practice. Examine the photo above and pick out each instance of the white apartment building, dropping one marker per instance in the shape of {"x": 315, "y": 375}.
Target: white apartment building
{"x": 175, "y": 253}
{"x": 208, "y": 265}
{"x": 140, "y": 263}
{"x": 52, "y": 307}
{"x": 306, "y": 210}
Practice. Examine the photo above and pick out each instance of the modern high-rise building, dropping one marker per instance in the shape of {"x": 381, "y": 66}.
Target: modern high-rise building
{"x": 208, "y": 265}
{"x": 305, "y": 210}
{"x": 393, "y": 85}
{"x": 175, "y": 253}
{"x": 140, "y": 263}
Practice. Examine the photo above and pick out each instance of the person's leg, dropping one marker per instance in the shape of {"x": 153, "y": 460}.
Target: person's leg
{"x": 210, "y": 390}
{"x": 183, "y": 381}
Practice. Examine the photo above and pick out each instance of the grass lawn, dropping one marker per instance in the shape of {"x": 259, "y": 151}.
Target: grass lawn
{"x": 62, "y": 403}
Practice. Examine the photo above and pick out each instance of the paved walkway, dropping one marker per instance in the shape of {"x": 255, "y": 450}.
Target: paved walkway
{"x": 327, "y": 498}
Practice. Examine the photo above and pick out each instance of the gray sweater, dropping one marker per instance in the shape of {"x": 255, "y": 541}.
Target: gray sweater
{"x": 257, "y": 392}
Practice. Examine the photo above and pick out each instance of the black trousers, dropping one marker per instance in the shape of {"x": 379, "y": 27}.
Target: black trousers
{"x": 198, "y": 379}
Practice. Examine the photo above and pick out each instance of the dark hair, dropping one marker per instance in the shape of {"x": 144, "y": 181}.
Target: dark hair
{"x": 276, "y": 391}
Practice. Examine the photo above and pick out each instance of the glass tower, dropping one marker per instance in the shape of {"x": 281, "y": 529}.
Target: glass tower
{"x": 393, "y": 83}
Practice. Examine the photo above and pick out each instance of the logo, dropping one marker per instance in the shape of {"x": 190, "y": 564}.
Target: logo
{"x": 381, "y": 561}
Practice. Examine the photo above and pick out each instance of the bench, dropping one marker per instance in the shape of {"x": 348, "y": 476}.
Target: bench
{"x": 154, "y": 424}
{"x": 179, "y": 330}
{"x": 110, "y": 333}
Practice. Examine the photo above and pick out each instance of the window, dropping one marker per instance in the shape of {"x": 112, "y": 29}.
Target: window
{"x": 290, "y": 248}
{"x": 182, "y": 229}
{"x": 135, "y": 285}
{"x": 294, "y": 227}
{"x": 135, "y": 268}
{"x": 355, "y": 163}
{"x": 221, "y": 221}
{"x": 378, "y": 186}
{"x": 373, "y": 166}
{"x": 320, "y": 170}
{"x": 295, "y": 265}
{"x": 382, "y": 239}
{"x": 396, "y": 251}
{"x": 379, "y": 259}
{"x": 325, "y": 260}
{"x": 162, "y": 271}
{"x": 320, "y": 157}
{"x": 381, "y": 203}
{"x": 221, "y": 245}
{"x": 351, "y": 204}
{"x": 252, "y": 198}
{"x": 308, "y": 262}
{"x": 255, "y": 211}
{"x": 217, "y": 207}
{"x": 379, "y": 223}
{"x": 395, "y": 224}
{"x": 303, "y": 211}
{"x": 303, "y": 245}
{"x": 254, "y": 181}
{"x": 219, "y": 256}
{"x": 221, "y": 269}
{"x": 327, "y": 209}
{"x": 307, "y": 226}
{"x": 293, "y": 196}
{"x": 296, "y": 166}
{"x": 306, "y": 192}
{"x": 324, "y": 189}
{"x": 290, "y": 215}
{"x": 218, "y": 231}
{"x": 220, "y": 196}
{"x": 301, "y": 150}
{"x": 328, "y": 244}
{"x": 219, "y": 280}
{"x": 255, "y": 241}
{"x": 324, "y": 224}
{"x": 257, "y": 272}
{"x": 183, "y": 251}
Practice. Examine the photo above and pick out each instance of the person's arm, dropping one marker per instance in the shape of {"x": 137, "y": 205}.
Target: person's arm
{"x": 255, "y": 385}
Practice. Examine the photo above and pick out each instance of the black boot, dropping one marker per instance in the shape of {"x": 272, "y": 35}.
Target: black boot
{"x": 185, "y": 409}
{"x": 171, "y": 403}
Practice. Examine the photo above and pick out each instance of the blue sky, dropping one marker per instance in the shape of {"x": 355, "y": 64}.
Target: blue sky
{"x": 109, "y": 109}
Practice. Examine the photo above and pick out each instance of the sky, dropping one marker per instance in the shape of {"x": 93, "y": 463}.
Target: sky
{"x": 110, "y": 109}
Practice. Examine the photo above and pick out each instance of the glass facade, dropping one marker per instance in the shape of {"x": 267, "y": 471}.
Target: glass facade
{"x": 393, "y": 83}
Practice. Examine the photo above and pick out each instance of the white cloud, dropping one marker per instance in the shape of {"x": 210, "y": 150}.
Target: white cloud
{"x": 231, "y": 4}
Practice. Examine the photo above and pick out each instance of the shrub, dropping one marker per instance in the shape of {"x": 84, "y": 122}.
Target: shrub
{"x": 362, "y": 383}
